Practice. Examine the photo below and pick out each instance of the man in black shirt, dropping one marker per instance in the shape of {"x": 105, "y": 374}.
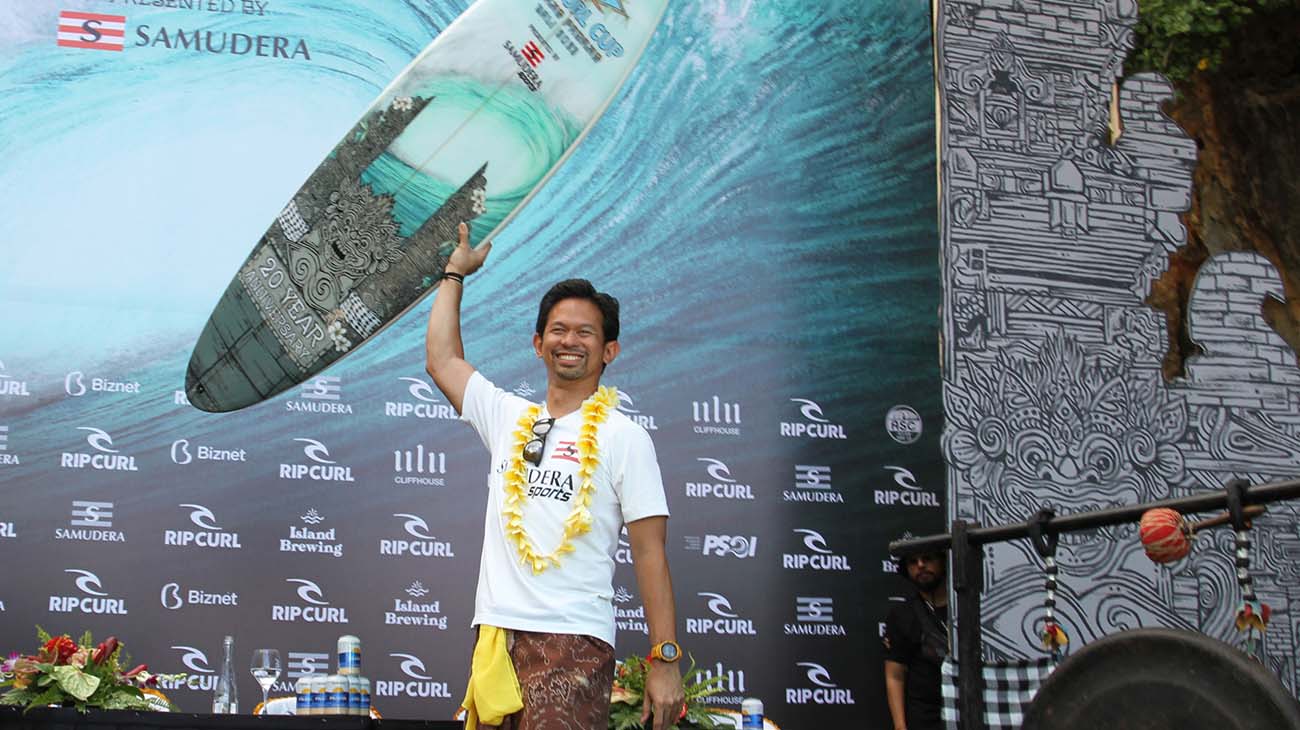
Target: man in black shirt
{"x": 916, "y": 640}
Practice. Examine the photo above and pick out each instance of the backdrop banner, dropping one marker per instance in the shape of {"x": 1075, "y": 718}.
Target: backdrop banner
{"x": 761, "y": 198}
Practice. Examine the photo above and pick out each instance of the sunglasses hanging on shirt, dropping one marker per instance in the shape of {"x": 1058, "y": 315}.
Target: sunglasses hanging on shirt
{"x": 533, "y": 449}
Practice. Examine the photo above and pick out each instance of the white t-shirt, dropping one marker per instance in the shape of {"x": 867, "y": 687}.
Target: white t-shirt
{"x": 577, "y": 597}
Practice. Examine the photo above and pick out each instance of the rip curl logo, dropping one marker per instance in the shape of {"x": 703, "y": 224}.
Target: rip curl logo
{"x": 105, "y": 457}
{"x": 9, "y": 385}
{"x": 99, "y": 439}
{"x": 201, "y": 516}
{"x": 720, "y": 484}
{"x": 324, "y": 469}
{"x": 814, "y": 541}
{"x": 316, "y": 451}
{"x": 824, "y": 691}
{"x": 425, "y": 543}
{"x": 415, "y": 526}
{"x": 424, "y": 403}
{"x": 815, "y": 424}
{"x": 87, "y": 582}
{"x": 718, "y": 604}
{"x": 210, "y": 534}
{"x": 810, "y": 410}
{"x": 309, "y": 591}
{"x": 317, "y": 610}
{"x": 909, "y": 493}
{"x": 818, "y": 675}
{"x": 822, "y": 557}
{"x": 415, "y": 682}
{"x": 627, "y": 406}
{"x": 94, "y": 600}
{"x": 717, "y": 470}
{"x": 412, "y": 666}
{"x": 194, "y": 659}
{"x": 420, "y": 390}
{"x": 724, "y": 621}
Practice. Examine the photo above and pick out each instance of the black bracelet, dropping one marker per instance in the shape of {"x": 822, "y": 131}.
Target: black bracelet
{"x": 458, "y": 278}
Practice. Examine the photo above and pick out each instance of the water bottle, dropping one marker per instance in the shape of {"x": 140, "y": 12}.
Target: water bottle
{"x": 751, "y": 714}
{"x": 225, "y": 698}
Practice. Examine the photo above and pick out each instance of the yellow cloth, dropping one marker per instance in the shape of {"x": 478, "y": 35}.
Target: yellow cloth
{"x": 493, "y": 691}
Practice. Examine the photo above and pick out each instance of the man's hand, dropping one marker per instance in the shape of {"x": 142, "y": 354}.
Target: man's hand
{"x": 465, "y": 260}
{"x": 664, "y": 695}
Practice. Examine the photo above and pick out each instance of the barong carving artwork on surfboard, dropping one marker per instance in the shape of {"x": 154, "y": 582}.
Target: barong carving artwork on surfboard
{"x": 467, "y": 132}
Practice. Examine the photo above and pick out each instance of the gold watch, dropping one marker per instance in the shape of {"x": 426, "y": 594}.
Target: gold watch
{"x": 665, "y": 651}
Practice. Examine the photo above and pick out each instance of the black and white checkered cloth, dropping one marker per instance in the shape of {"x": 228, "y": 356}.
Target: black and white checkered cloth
{"x": 1009, "y": 687}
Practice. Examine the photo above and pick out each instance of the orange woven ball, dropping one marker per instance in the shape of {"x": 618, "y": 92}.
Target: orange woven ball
{"x": 1165, "y": 535}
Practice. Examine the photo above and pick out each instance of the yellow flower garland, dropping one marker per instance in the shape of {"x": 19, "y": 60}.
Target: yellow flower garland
{"x": 594, "y": 412}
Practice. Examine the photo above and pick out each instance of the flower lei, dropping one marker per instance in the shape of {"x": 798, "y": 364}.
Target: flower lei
{"x": 594, "y": 412}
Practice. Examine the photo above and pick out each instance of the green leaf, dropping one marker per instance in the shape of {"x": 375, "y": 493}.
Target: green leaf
{"x": 75, "y": 682}
{"x": 41, "y": 635}
{"x": 53, "y": 695}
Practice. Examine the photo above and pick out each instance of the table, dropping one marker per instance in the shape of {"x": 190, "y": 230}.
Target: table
{"x": 66, "y": 718}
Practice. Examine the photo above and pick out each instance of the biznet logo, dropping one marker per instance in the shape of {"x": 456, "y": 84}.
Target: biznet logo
{"x": 423, "y": 403}
{"x": 91, "y": 521}
{"x": 736, "y": 546}
{"x": 720, "y": 484}
{"x": 11, "y": 386}
{"x": 819, "y": 556}
{"x": 311, "y": 540}
{"x": 414, "y": 681}
{"x": 909, "y": 493}
{"x": 812, "y": 483}
{"x": 823, "y": 691}
{"x": 321, "y": 394}
{"x": 74, "y": 384}
{"x": 713, "y": 416}
{"x": 93, "y": 598}
{"x": 209, "y": 535}
{"x": 317, "y": 610}
{"x": 103, "y": 456}
{"x": 815, "y": 425}
{"x": 724, "y": 620}
{"x": 419, "y": 467}
{"x": 627, "y": 404}
{"x": 415, "y": 611}
{"x": 424, "y": 545}
{"x": 814, "y": 616}
{"x": 197, "y": 676}
{"x": 182, "y": 453}
{"x": 173, "y": 597}
{"x": 320, "y": 467}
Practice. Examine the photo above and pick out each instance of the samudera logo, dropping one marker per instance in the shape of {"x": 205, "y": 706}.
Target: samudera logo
{"x": 424, "y": 403}
{"x": 424, "y": 544}
{"x": 91, "y": 30}
{"x": 93, "y": 598}
{"x": 90, "y": 521}
{"x": 209, "y": 536}
{"x": 815, "y": 425}
{"x": 321, "y": 394}
{"x": 103, "y": 457}
{"x": 724, "y": 621}
{"x": 322, "y": 468}
{"x": 414, "y": 681}
{"x": 318, "y": 610}
{"x": 821, "y": 557}
{"x": 823, "y": 692}
{"x": 221, "y": 42}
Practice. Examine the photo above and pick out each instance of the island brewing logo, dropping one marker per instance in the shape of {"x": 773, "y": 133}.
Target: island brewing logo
{"x": 903, "y": 424}
{"x": 414, "y": 681}
{"x": 416, "y": 610}
{"x": 814, "y": 616}
{"x": 720, "y": 484}
{"x": 823, "y": 691}
{"x": 419, "y": 467}
{"x": 424, "y": 545}
{"x": 173, "y": 597}
{"x": 736, "y": 546}
{"x": 11, "y": 386}
{"x": 909, "y": 492}
{"x": 92, "y": 522}
{"x": 627, "y": 404}
{"x": 198, "y": 675}
{"x": 812, "y": 483}
{"x": 731, "y": 687}
{"x": 316, "y": 610}
{"x": 309, "y": 539}
{"x": 321, "y": 394}
{"x": 103, "y": 457}
{"x": 423, "y": 403}
{"x": 6, "y": 457}
{"x": 627, "y": 618}
{"x": 714, "y": 416}
{"x": 74, "y": 384}
{"x": 183, "y": 453}
{"x": 209, "y": 535}
{"x": 724, "y": 621}
{"x": 93, "y": 598}
{"x": 820, "y": 557}
{"x": 321, "y": 468}
{"x": 814, "y": 426}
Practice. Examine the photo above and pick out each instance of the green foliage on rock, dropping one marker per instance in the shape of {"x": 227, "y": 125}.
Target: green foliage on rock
{"x": 1180, "y": 37}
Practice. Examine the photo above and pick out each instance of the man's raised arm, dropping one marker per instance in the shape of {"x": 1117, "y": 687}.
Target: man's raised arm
{"x": 444, "y": 353}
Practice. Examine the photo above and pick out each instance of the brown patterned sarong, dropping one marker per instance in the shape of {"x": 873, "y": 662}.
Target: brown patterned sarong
{"x": 565, "y": 679}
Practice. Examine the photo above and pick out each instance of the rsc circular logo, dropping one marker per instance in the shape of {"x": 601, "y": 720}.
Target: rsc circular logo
{"x": 903, "y": 424}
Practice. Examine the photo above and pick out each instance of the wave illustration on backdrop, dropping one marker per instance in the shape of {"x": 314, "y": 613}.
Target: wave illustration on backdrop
{"x": 467, "y": 133}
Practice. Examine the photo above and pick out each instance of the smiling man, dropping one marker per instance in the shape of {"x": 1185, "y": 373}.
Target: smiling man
{"x": 566, "y": 476}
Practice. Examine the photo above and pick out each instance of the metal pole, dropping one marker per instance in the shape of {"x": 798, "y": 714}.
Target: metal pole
{"x": 968, "y": 581}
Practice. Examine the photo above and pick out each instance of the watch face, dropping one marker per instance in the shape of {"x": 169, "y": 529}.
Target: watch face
{"x": 668, "y": 651}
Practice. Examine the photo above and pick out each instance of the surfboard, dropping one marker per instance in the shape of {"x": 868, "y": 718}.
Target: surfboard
{"x": 469, "y": 131}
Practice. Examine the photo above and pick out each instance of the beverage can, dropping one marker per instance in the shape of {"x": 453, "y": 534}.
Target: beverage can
{"x": 354, "y": 694}
{"x": 365, "y": 697}
{"x": 751, "y": 714}
{"x": 302, "y": 689}
{"x": 349, "y": 655}
{"x": 317, "y": 685}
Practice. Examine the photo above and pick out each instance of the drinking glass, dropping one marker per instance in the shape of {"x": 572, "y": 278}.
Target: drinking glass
{"x": 265, "y": 669}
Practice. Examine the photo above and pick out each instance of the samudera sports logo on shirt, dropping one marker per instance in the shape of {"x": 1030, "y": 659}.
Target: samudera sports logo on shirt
{"x": 313, "y": 607}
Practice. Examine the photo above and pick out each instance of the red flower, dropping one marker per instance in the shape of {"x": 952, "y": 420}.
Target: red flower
{"x": 58, "y": 649}
{"x": 104, "y": 650}
{"x": 134, "y": 671}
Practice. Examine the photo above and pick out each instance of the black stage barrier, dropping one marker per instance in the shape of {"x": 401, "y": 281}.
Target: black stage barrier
{"x": 66, "y": 718}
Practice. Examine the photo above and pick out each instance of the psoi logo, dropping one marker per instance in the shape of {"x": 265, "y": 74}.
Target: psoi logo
{"x": 93, "y": 598}
{"x": 737, "y": 546}
{"x": 210, "y": 535}
{"x": 823, "y": 691}
{"x": 423, "y": 403}
{"x": 414, "y": 681}
{"x": 424, "y": 544}
{"x": 320, "y": 467}
{"x": 102, "y": 455}
{"x": 198, "y": 675}
{"x": 316, "y": 610}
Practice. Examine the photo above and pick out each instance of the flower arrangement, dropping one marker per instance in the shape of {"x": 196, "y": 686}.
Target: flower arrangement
{"x": 627, "y": 697}
{"x": 81, "y": 673}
